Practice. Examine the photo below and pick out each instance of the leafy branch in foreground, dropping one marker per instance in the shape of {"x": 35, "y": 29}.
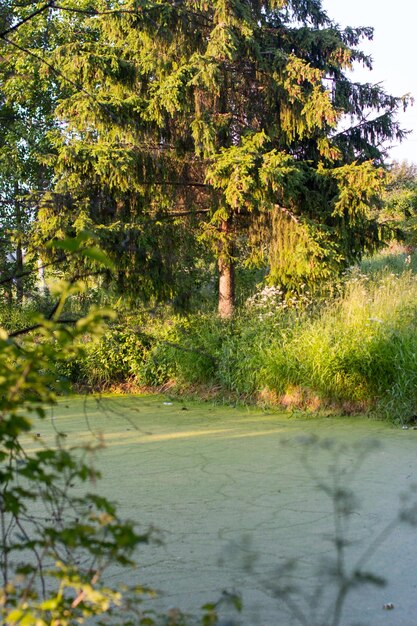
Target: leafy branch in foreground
{"x": 56, "y": 538}
{"x": 57, "y": 535}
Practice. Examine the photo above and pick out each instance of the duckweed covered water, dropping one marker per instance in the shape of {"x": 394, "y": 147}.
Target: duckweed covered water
{"x": 235, "y": 494}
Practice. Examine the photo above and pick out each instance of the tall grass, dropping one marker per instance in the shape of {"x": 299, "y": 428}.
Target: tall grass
{"x": 357, "y": 350}
{"x": 362, "y": 348}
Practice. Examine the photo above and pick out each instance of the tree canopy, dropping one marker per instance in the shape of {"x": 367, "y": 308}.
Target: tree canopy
{"x": 232, "y": 125}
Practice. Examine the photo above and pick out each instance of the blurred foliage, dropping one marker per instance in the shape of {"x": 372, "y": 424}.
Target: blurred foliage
{"x": 400, "y": 202}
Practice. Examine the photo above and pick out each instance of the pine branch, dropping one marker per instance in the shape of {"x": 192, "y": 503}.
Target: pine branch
{"x": 14, "y": 277}
{"x": 185, "y": 213}
{"x": 348, "y": 130}
{"x": 62, "y": 75}
{"x": 45, "y": 7}
{"x": 174, "y": 183}
{"x": 96, "y": 13}
{"x": 29, "y": 329}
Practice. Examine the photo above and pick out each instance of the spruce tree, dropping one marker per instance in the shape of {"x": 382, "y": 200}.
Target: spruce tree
{"x": 192, "y": 119}
{"x": 27, "y": 105}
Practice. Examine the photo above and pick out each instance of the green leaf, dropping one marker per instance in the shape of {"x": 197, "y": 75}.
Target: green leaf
{"x": 95, "y": 254}
{"x": 69, "y": 244}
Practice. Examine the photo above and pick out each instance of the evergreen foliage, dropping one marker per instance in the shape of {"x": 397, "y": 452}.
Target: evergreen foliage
{"x": 180, "y": 123}
{"x": 27, "y": 103}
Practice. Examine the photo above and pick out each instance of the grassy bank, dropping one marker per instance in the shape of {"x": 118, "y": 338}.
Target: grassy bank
{"x": 353, "y": 351}
{"x": 356, "y": 352}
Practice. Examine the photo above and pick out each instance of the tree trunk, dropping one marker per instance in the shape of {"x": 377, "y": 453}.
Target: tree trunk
{"x": 226, "y": 273}
{"x": 19, "y": 250}
{"x": 19, "y": 272}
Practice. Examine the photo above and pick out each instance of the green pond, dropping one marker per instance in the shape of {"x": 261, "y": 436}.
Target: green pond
{"x": 235, "y": 494}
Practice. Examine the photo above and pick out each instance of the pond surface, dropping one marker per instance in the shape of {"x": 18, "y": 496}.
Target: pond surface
{"x": 237, "y": 493}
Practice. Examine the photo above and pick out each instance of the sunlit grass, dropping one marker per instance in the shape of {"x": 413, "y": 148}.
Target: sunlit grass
{"x": 355, "y": 351}
{"x": 362, "y": 348}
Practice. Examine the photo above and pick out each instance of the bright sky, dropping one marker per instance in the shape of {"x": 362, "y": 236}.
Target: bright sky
{"x": 394, "y": 51}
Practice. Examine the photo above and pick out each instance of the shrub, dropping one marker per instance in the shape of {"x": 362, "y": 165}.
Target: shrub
{"x": 184, "y": 350}
{"x": 356, "y": 347}
{"x": 115, "y": 357}
{"x": 51, "y": 561}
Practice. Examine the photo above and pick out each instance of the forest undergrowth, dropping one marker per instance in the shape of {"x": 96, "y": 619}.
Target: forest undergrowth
{"x": 350, "y": 349}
